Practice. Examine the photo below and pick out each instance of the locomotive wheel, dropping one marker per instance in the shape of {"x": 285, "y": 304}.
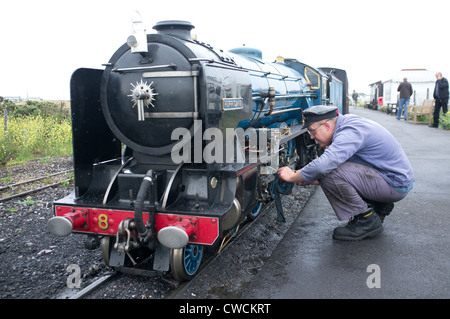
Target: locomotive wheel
{"x": 106, "y": 244}
{"x": 185, "y": 262}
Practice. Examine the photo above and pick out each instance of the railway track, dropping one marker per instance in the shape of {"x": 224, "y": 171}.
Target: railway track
{"x": 34, "y": 185}
{"x": 96, "y": 284}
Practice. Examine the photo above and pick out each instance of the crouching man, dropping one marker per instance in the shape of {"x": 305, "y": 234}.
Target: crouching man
{"x": 363, "y": 171}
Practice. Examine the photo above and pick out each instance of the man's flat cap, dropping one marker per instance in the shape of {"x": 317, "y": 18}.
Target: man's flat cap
{"x": 319, "y": 113}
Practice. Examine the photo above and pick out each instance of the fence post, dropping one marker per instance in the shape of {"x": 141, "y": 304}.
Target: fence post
{"x": 5, "y": 121}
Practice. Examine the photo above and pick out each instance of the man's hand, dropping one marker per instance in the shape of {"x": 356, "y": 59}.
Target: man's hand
{"x": 288, "y": 175}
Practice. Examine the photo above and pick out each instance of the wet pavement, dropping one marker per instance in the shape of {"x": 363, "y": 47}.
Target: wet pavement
{"x": 410, "y": 259}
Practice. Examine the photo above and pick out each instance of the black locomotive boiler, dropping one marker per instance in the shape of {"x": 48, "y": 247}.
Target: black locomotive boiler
{"x": 175, "y": 144}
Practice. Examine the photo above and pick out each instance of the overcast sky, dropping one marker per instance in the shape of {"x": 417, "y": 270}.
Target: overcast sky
{"x": 43, "y": 42}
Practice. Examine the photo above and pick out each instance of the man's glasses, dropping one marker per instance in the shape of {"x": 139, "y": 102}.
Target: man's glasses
{"x": 313, "y": 131}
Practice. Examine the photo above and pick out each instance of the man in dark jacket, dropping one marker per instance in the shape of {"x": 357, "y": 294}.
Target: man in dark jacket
{"x": 440, "y": 96}
{"x": 406, "y": 91}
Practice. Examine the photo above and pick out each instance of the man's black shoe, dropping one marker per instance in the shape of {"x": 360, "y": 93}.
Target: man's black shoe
{"x": 367, "y": 224}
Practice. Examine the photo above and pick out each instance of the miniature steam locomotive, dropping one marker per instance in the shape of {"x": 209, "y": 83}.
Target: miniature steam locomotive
{"x": 175, "y": 144}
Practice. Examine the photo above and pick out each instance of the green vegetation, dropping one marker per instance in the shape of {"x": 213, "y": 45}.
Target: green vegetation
{"x": 420, "y": 117}
{"x": 444, "y": 121}
{"x": 34, "y": 130}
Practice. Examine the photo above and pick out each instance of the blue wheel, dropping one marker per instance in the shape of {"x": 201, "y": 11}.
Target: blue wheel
{"x": 255, "y": 212}
{"x": 185, "y": 262}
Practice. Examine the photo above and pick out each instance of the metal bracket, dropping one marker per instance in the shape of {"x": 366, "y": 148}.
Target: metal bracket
{"x": 116, "y": 258}
{"x": 124, "y": 231}
{"x": 162, "y": 258}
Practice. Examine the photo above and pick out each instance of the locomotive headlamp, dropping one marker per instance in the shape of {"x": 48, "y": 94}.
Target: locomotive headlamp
{"x": 137, "y": 41}
{"x": 132, "y": 41}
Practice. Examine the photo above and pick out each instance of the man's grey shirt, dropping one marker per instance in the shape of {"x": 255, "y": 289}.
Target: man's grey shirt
{"x": 363, "y": 141}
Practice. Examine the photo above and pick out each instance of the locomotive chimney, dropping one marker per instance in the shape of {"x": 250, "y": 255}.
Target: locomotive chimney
{"x": 176, "y": 28}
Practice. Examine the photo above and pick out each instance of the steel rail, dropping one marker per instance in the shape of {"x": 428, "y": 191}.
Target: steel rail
{"x": 90, "y": 288}
{"x": 33, "y": 190}
{"x": 3, "y": 188}
{"x": 33, "y": 180}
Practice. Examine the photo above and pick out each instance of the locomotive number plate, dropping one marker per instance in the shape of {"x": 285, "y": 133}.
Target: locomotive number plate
{"x": 229, "y": 104}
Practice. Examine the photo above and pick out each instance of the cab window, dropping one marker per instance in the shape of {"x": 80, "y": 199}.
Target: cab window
{"x": 312, "y": 78}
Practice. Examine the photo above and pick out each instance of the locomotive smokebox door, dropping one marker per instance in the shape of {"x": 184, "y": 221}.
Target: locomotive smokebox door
{"x": 145, "y": 99}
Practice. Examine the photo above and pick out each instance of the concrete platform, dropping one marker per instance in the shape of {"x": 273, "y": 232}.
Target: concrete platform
{"x": 410, "y": 259}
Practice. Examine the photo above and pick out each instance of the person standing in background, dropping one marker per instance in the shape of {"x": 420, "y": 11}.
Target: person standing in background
{"x": 440, "y": 96}
{"x": 405, "y": 89}
{"x": 355, "y": 98}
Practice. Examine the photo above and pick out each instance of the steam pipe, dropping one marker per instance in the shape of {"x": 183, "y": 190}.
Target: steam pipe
{"x": 148, "y": 185}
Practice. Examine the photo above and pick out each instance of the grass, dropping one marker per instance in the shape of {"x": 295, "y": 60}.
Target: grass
{"x": 444, "y": 121}
{"x": 29, "y": 137}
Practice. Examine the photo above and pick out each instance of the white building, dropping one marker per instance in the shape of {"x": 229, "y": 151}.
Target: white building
{"x": 422, "y": 81}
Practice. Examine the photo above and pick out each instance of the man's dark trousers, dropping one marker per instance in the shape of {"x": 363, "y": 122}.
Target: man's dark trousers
{"x": 437, "y": 108}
